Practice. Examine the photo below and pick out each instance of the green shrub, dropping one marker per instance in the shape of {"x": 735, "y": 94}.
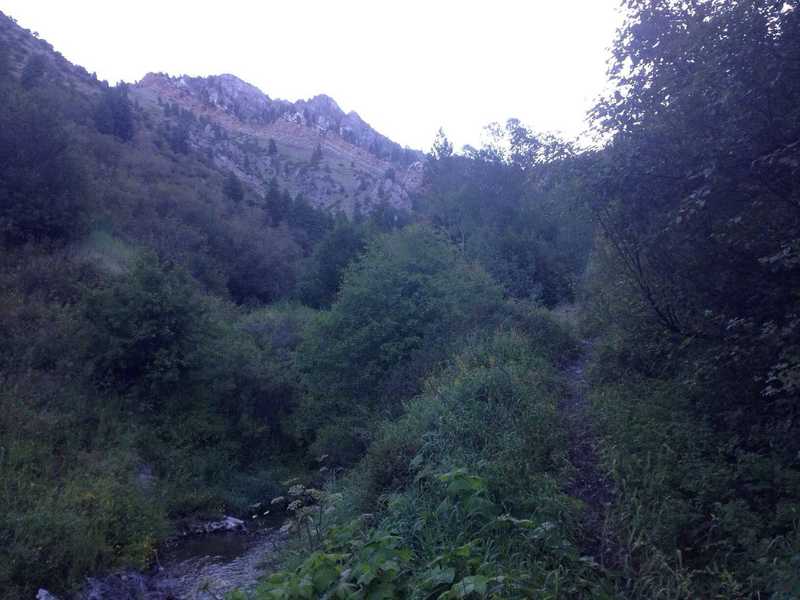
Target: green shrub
{"x": 696, "y": 515}
{"x": 401, "y": 306}
{"x": 444, "y": 538}
{"x": 544, "y": 335}
{"x": 43, "y": 185}
{"x": 494, "y": 406}
{"x": 148, "y": 326}
{"x": 504, "y": 529}
{"x": 70, "y": 496}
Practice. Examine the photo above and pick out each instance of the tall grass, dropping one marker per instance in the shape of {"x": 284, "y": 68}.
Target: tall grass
{"x": 464, "y": 490}
{"x": 696, "y": 517}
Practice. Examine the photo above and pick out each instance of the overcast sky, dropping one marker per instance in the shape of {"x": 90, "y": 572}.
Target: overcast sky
{"x": 406, "y": 67}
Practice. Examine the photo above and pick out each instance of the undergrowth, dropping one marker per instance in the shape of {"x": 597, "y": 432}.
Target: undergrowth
{"x": 696, "y": 515}
{"x": 462, "y": 496}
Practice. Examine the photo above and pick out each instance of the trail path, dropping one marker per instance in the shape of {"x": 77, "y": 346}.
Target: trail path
{"x": 588, "y": 483}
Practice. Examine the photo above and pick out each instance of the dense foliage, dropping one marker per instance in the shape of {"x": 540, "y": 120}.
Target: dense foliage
{"x": 502, "y": 529}
{"x": 174, "y": 342}
{"x": 698, "y": 199}
{"x": 512, "y": 206}
{"x": 401, "y": 308}
{"x": 42, "y": 183}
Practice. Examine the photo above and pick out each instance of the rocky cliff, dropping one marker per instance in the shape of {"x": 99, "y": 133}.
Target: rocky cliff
{"x": 308, "y": 147}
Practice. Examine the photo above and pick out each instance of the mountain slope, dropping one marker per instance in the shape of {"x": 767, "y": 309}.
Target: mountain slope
{"x": 309, "y": 147}
{"x": 234, "y": 124}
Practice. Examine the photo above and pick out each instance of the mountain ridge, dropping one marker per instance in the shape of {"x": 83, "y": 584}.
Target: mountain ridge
{"x": 309, "y": 147}
{"x": 234, "y": 94}
{"x": 358, "y": 167}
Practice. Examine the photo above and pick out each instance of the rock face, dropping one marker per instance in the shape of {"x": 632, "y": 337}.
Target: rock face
{"x": 309, "y": 147}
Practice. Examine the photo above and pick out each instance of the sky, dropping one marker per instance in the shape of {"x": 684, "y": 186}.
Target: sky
{"x": 406, "y": 67}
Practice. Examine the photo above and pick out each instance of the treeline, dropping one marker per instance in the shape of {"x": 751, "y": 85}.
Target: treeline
{"x": 513, "y": 207}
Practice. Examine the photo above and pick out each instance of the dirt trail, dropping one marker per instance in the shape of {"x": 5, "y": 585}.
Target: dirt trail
{"x": 588, "y": 482}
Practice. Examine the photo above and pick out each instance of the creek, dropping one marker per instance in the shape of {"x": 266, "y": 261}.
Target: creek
{"x": 199, "y": 567}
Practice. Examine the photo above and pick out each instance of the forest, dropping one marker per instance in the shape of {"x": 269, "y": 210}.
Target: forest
{"x": 567, "y": 371}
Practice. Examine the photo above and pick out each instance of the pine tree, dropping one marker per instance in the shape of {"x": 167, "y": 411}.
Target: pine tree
{"x": 232, "y": 188}
{"x": 33, "y": 71}
{"x": 114, "y": 114}
{"x": 316, "y": 156}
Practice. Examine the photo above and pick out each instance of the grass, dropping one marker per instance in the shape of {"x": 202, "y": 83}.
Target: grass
{"x": 695, "y": 516}
{"x": 68, "y": 507}
{"x": 106, "y": 252}
{"x": 463, "y": 494}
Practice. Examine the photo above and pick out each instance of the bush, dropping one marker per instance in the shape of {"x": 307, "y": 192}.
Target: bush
{"x": 401, "y": 306}
{"x": 541, "y": 331}
{"x": 147, "y": 328}
{"x": 458, "y": 544}
{"x": 697, "y": 517}
{"x": 503, "y": 529}
{"x": 42, "y": 184}
{"x": 71, "y": 502}
{"x": 494, "y": 405}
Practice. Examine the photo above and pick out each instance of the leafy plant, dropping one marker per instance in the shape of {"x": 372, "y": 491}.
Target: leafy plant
{"x": 400, "y": 307}
{"x": 307, "y": 509}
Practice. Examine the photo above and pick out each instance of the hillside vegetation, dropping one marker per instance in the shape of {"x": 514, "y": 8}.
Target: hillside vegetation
{"x": 547, "y": 372}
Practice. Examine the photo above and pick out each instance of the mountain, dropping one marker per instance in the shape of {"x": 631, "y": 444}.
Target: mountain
{"x": 311, "y": 147}
{"x": 260, "y": 139}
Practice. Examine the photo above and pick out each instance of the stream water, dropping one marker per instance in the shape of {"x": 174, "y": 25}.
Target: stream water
{"x": 204, "y": 567}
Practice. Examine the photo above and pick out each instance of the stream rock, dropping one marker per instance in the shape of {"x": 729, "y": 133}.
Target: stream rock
{"x": 227, "y": 523}
{"x": 202, "y": 567}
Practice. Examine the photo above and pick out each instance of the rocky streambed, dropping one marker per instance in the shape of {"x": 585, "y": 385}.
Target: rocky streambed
{"x": 199, "y": 566}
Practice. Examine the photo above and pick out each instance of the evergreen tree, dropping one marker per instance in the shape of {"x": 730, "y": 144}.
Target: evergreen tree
{"x": 442, "y": 147}
{"x": 311, "y": 221}
{"x": 323, "y": 270}
{"x": 4, "y": 56}
{"x": 232, "y": 188}
{"x": 278, "y": 204}
{"x": 316, "y": 156}
{"x": 114, "y": 113}
{"x": 33, "y": 70}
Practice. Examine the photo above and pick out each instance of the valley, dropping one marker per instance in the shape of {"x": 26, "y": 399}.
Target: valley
{"x": 253, "y": 349}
